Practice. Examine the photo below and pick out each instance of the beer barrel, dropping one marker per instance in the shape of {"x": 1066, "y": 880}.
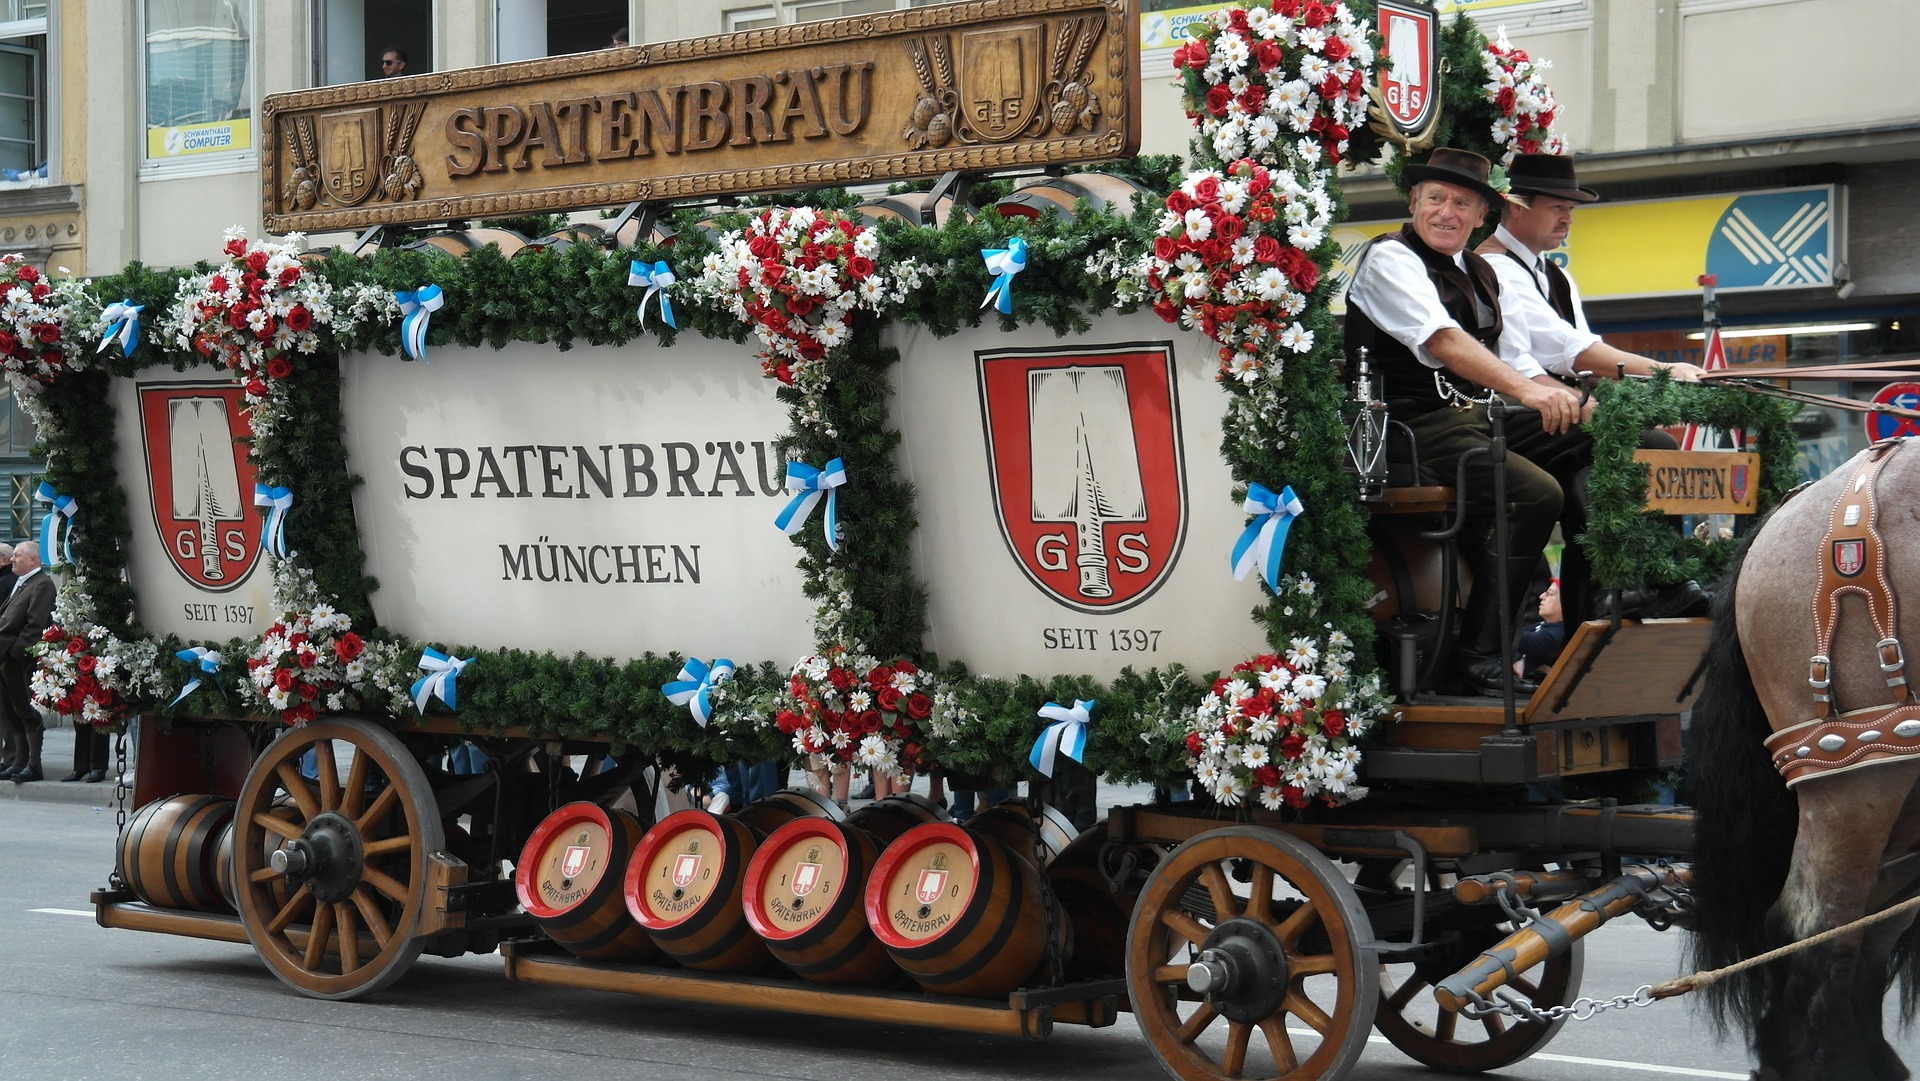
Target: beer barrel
{"x": 772, "y": 812}
{"x": 1038, "y": 839}
{"x": 958, "y": 911}
{"x": 570, "y": 879}
{"x": 803, "y": 898}
{"x": 166, "y": 855}
{"x": 283, "y": 809}
{"x": 1102, "y": 191}
{"x": 458, "y": 242}
{"x": 685, "y": 884}
{"x": 1098, "y": 913}
{"x": 886, "y": 819}
{"x": 908, "y": 207}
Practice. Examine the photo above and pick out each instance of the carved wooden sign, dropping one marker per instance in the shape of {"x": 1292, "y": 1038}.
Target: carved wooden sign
{"x": 970, "y": 86}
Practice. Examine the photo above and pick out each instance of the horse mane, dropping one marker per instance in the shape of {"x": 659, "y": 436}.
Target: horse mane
{"x": 1744, "y": 824}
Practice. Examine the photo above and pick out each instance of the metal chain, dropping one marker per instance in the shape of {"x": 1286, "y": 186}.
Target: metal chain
{"x": 1514, "y": 1004}
{"x": 121, "y": 791}
{"x": 1056, "y": 964}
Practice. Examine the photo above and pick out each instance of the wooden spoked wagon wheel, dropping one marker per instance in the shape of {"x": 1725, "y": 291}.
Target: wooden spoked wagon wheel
{"x": 1248, "y": 956}
{"x": 350, "y": 860}
{"x": 1409, "y": 1017}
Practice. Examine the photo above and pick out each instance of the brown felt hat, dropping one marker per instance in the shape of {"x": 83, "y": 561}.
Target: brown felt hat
{"x": 1462, "y": 167}
{"x": 1547, "y": 174}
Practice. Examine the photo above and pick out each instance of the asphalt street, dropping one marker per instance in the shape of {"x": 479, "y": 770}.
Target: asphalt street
{"x": 81, "y": 1001}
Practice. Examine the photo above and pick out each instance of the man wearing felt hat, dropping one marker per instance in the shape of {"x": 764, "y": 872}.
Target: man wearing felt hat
{"x": 1428, "y": 313}
{"x": 1546, "y": 336}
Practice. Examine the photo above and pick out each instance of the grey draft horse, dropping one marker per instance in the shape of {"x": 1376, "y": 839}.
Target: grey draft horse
{"x": 1775, "y": 864}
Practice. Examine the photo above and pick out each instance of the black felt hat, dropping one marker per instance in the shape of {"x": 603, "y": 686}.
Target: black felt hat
{"x": 1462, "y": 167}
{"x": 1547, "y": 174}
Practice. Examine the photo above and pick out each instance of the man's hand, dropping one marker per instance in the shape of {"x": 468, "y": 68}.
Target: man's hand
{"x": 1559, "y": 408}
{"x": 1683, "y": 373}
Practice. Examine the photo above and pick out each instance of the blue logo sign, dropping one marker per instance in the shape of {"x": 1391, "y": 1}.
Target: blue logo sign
{"x": 1782, "y": 238}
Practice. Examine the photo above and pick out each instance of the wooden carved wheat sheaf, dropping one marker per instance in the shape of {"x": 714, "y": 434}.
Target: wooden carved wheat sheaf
{"x": 980, "y": 86}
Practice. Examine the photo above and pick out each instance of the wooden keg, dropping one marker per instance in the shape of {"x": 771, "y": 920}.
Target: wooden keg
{"x": 685, "y": 885}
{"x": 166, "y": 855}
{"x": 571, "y": 879}
{"x": 907, "y": 207}
{"x": 958, "y": 911}
{"x": 769, "y": 814}
{"x": 886, "y": 819}
{"x": 283, "y": 809}
{"x": 1060, "y": 194}
{"x": 1098, "y": 913}
{"x": 1038, "y": 839}
{"x": 803, "y": 898}
{"x": 458, "y": 242}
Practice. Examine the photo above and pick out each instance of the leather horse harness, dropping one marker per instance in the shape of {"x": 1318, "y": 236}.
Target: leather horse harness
{"x": 1852, "y": 561}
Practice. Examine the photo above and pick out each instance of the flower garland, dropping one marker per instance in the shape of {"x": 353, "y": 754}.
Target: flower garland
{"x": 845, "y": 708}
{"x": 1284, "y": 729}
{"x": 254, "y": 314}
{"x": 36, "y": 318}
{"x": 1232, "y": 257}
{"x": 1285, "y": 82}
{"x": 87, "y": 674}
{"x": 310, "y": 661}
{"x": 796, "y": 275}
{"x": 1525, "y": 103}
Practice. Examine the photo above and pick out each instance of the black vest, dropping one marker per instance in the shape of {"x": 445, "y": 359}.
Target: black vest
{"x": 1559, "y": 290}
{"x": 1407, "y": 384}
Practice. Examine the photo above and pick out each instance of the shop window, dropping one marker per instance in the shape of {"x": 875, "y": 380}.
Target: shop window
{"x": 21, "y": 472}
{"x": 197, "y": 67}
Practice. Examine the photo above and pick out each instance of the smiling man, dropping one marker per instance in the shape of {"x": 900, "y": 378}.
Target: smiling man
{"x": 1428, "y": 313}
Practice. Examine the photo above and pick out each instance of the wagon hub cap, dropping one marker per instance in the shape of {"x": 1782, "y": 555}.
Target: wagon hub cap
{"x": 1241, "y": 970}
{"x": 327, "y": 858}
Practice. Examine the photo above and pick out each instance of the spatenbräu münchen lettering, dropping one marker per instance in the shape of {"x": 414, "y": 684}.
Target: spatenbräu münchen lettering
{"x": 600, "y": 471}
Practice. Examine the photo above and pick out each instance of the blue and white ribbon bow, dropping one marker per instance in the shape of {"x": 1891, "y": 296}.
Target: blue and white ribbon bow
{"x": 123, "y": 326}
{"x": 1067, "y": 733}
{"x": 442, "y": 670}
{"x": 1003, "y": 264}
{"x": 62, "y": 509}
{"x": 694, "y": 688}
{"x": 811, "y": 484}
{"x": 656, "y": 278}
{"x": 279, "y": 501}
{"x": 1265, "y": 538}
{"x": 201, "y": 662}
{"x": 416, "y": 308}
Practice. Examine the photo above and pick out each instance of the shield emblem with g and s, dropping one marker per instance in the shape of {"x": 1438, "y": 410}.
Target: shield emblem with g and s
{"x": 350, "y": 154}
{"x": 200, "y": 481}
{"x": 1001, "y": 78}
{"x": 805, "y": 877}
{"x": 932, "y": 883}
{"x": 1409, "y": 72}
{"x": 1088, "y": 481}
{"x": 1849, "y": 556}
{"x": 1737, "y": 483}
{"x": 685, "y": 866}
{"x": 574, "y": 860}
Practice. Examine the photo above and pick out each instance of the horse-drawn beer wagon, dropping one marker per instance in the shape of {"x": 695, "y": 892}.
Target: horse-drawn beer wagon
{"x": 314, "y": 478}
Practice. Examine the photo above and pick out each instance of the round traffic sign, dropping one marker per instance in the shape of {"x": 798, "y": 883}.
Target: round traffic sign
{"x": 1886, "y": 426}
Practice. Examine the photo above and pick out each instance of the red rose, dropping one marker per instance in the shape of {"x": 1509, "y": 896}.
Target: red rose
{"x": 763, "y": 247}
{"x": 1180, "y": 58}
{"x": 289, "y": 276}
{"x": 236, "y": 247}
{"x": 1197, "y": 55}
{"x": 257, "y": 261}
{"x": 1522, "y": 123}
{"x": 881, "y": 676}
{"x": 1207, "y": 189}
{"x": 860, "y": 267}
{"x": 919, "y": 706}
{"x": 869, "y": 721}
{"x": 800, "y": 304}
{"x": 1217, "y": 98}
{"x": 1292, "y": 745}
{"x": 1504, "y": 100}
{"x": 1267, "y": 777}
{"x": 1330, "y": 87}
{"x": 76, "y": 645}
{"x": 1336, "y": 49}
{"x": 1546, "y": 119}
{"x": 1315, "y": 14}
{"x": 348, "y": 647}
{"x": 1266, "y": 249}
{"x": 1213, "y": 250}
{"x": 810, "y": 349}
{"x": 267, "y": 327}
{"x": 1257, "y": 706}
{"x": 1167, "y": 310}
{"x": 283, "y": 679}
{"x": 1229, "y": 228}
{"x": 299, "y": 318}
{"x": 1334, "y": 722}
{"x": 1193, "y": 744}
{"x": 86, "y": 662}
{"x": 889, "y": 699}
{"x": 1294, "y": 796}
{"x": 309, "y": 691}
{"x": 772, "y": 272}
{"x": 237, "y": 317}
{"x": 52, "y": 633}
{"x": 1289, "y": 8}
{"x": 27, "y": 274}
{"x": 1268, "y": 55}
{"x": 840, "y": 678}
{"x": 256, "y": 389}
{"x": 1237, "y": 20}
{"x": 279, "y": 368}
{"x": 784, "y": 373}
{"x": 306, "y": 657}
{"x": 40, "y": 291}
{"x": 1253, "y": 99}
{"x": 1179, "y": 202}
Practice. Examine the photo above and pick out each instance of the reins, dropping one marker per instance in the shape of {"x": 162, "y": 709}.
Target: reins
{"x": 1757, "y": 381}
{"x": 1708, "y": 977}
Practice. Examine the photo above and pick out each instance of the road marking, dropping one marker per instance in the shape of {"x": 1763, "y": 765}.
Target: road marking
{"x": 64, "y": 911}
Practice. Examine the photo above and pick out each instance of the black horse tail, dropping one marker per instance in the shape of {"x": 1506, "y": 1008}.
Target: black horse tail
{"x": 1745, "y": 820}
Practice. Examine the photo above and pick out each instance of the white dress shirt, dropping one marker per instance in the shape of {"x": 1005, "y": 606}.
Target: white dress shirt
{"x": 1392, "y": 287}
{"x": 22, "y": 580}
{"x": 1541, "y": 341}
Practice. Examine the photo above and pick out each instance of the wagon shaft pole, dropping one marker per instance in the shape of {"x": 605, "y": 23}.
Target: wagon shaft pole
{"x": 1549, "y": 936}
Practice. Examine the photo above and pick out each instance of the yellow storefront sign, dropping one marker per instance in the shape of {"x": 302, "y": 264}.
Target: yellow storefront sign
{"x": 186, "y": 140}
